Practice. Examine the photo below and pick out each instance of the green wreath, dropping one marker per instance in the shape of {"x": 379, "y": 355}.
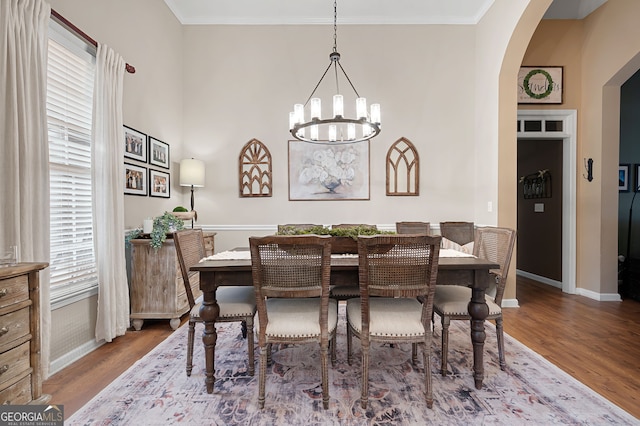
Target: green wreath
{"x": 538, "y": 95}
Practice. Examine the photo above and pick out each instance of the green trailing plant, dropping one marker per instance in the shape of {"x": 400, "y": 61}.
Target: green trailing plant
{"x": 162, "y": 225}
{"x": 352, "y": 231}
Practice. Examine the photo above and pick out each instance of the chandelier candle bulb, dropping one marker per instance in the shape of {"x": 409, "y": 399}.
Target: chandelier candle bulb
{"x": 338, "y": 106}
{"x": 351, "y": 131}
{"x": 332, "y": 133}
{"x": 292, "y": 120}
{"x": 314, "y": 133}
{"x": 298, "y": 109}
{"x": 361, "y": 108}
{"x": 375, "y": 113}
{"x": 316, "y": 108}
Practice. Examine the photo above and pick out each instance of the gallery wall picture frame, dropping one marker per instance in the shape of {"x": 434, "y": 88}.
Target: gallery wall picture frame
{"x": 159, "y": 184}
{"x": 328, "y": 172}
{"x": 135, "y": 144}
{"x": 158, "y": 153}
{"x": 135, "y": 180}
{"x": 636, "y": 181}
{"x": 540, "y": 85}
{"x": 623, "y": 178}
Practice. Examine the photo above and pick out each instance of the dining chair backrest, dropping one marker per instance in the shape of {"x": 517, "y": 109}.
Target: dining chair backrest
{"x": 290, "y": 266}
{"x": 496, "y": 245}
{"x": 459, "y": 232}
{"x": 190, "y": 250}
{"x": 400, "y": 265}
{"x": 413, "y": 228}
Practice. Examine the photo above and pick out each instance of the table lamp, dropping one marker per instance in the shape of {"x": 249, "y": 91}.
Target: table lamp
{"x": 192, "y": 174}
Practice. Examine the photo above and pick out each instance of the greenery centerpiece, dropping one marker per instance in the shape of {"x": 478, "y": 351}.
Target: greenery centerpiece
{"x": 162, "y": 225}
{"x": 345, "y": 240}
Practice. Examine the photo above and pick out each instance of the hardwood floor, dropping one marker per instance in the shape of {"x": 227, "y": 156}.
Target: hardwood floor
{"x": 598, "y": 343}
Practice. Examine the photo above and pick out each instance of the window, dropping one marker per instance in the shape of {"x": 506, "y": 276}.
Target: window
{"x": 70, "y": 75}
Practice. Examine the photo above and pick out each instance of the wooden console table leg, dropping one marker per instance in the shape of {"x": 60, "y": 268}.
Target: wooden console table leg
{"x": 479, "y": 311}
{"x": 209, "y": 312}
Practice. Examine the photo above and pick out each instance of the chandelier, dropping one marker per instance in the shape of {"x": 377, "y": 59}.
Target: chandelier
{"x": 339, "y": 129}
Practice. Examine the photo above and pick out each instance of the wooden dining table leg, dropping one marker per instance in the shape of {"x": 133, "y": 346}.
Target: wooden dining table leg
{"x": 209, "y": 312}
{"x": 478, "y": 310}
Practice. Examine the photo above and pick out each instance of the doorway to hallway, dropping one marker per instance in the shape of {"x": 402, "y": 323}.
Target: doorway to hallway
{"x": 546, "y": 126}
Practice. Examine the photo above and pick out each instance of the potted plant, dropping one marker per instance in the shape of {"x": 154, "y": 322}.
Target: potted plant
{"x": 165, "y": 224}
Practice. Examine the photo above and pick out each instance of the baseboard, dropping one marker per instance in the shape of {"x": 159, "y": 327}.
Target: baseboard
{"x": 510, "y": 303}
{"x": 71, "y": 357}
{"x": 601, "y": 297}
{"x": 539, "y": 278}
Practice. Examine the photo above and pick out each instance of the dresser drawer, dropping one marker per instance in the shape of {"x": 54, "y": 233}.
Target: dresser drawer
{"x": 18, "y": 393}
{"x": 14, "y": 363}
{"x": 13, "y": 326}
{"x": 13, "y": 290}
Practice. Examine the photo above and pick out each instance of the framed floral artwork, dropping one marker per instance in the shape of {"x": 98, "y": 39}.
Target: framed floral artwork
{"x": 135, "y": 144}
{"x": 159, "y": 183}
{"x": 135, "y": 180}
{"x": 328, "y": 172}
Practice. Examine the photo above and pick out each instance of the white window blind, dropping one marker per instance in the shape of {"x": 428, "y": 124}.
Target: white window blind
{"x": 70, "y": 76}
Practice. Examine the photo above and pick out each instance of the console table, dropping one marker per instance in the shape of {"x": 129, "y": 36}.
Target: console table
{"x": 20, "y": 371}
{"x": 156, "y": 289}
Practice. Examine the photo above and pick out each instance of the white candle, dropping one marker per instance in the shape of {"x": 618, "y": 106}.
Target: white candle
{"x": 147, "y": 226}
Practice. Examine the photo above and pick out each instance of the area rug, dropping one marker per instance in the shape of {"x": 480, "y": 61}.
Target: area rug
{"x": 156, "y": 390}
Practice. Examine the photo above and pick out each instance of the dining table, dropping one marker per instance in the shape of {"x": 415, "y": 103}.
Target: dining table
{"x": 233, "y": 268}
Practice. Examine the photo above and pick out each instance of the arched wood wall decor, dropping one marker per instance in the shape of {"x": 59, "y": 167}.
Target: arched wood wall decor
{"x": 403, "y": 169}
{"x": 255, "y": 170}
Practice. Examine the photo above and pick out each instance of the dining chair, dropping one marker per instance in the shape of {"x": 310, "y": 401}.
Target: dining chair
{"x": 291, "y": 278}
{"x": 458, "y": 235}
{"x": 394, "y": 271}
{"x": 237, "y": 303}
{"x": 413, "y": 228}
{"x": 451, "y": 302}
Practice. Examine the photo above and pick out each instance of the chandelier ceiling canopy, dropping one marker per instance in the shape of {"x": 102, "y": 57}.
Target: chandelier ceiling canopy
{"x": 339, "y": 129}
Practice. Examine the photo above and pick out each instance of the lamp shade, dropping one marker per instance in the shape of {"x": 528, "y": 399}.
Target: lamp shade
{"x": 192, "y": 172}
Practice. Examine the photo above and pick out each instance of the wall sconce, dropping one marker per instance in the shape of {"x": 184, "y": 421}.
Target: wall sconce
{"x": 192, "y": 174}
{"x": 588, "y": 165}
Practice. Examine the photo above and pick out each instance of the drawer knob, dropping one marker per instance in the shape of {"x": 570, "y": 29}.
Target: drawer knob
{"x": 4, "y": 369}
{"x": 3, "y": 292}
{"x": 3, "y": 331}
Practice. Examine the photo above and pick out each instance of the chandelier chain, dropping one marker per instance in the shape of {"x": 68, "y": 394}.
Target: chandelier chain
{"x": 335, "y": 26}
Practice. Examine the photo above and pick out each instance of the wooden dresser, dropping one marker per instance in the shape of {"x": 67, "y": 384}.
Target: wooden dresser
{"x": 156, "y": 288}
{"x": 20, "y": 372}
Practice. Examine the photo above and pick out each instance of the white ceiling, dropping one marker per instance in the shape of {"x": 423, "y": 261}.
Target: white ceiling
{"x": 282, "y": 12}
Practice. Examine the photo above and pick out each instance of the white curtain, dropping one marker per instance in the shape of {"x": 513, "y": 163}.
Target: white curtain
{"x": 24, "y": 146}
{"x": 108, "y": 205}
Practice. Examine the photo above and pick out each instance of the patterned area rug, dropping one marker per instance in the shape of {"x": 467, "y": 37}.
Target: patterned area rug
{"x": 156, "y": 390}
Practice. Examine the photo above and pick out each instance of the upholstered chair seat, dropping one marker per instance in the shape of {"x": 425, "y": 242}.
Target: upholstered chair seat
{"x": 390, "y": 317}
{"x": 453, "y": 300}
{"x": 298, "y": 318}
